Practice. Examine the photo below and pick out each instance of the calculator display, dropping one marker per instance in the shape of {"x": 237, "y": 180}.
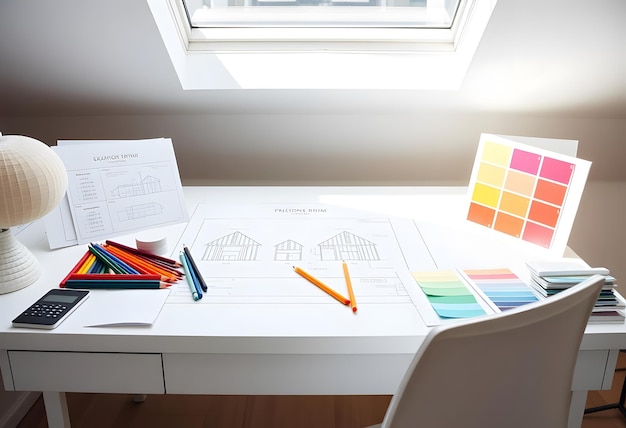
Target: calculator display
{"x": 57, "y": 298}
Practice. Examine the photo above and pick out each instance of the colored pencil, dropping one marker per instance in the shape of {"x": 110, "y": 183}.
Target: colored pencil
{"x": 141, "y": 265}
{"x": 163, "y": 265}
{"x": 194, "y": 276}
{"x": 192, "y": 286}
{"x": 161, "y": 262}
{"x": 135, "y": 250}
{"x": 194, "y": 268}
{"x": 321, "y": 285}
{"x": 115, "y": 259}
{"x": 76, "y": 267}
{"x": 96, "y": 267}
{"x": 104, "y": 259}
{"x": 114, "y": 277}
{"x": 115, "y": 284}
{"x": 346, "y": 274}
{"x": 88, "y": 263}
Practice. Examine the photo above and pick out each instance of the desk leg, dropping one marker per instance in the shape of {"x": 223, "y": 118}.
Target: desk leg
{"x": 56, "y": 409}
{"x": 577, "y": 409}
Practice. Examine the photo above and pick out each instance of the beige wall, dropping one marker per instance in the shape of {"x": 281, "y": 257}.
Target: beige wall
{"x": 400, "y": 148}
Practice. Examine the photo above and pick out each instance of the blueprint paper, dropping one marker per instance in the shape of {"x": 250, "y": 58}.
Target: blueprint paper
{"x": 246, "y": 254}
{"x": 115, "y": 188}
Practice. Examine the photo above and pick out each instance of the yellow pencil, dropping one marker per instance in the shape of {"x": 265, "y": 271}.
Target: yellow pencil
{"x": 85, "y": 267}
{"x": 346, "y": 274}
{"x": 321, "y": 285}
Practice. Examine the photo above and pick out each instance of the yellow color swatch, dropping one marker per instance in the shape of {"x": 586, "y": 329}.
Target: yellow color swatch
{"x": 491, "y": 174}
{"x": 497, "y": 154}
{"x": 486, "y": 195}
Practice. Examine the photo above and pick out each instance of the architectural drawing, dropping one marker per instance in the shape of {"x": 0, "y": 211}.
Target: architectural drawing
{"x": 135, "y": 212}
{"x": 348, "y": 246}
{"x": 233, "y": 247}
{"x": 246, "y": 254}
{"x": 288, "y": 250}
{"x": 145, "y": 186}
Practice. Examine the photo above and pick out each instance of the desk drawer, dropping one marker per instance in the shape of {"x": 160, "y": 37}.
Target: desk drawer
{"x": 87, "y": 372}
{"x": 296, "y": 374}
{"x": 594, "y": 370}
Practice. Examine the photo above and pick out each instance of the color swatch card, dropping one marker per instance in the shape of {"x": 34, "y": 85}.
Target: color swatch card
{"x": 526, "y": 192}
{"x": 448, "y": 294}
{"x": 502, "y": 287}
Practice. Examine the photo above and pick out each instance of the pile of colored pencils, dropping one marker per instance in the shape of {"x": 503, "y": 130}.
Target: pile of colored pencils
{"x": 113, "y": 265}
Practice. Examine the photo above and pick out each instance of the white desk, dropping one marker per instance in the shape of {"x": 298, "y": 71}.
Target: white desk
{"x": 264, "y": 348}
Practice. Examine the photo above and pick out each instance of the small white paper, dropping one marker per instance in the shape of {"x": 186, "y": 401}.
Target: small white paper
{"x": 122, "y": 308}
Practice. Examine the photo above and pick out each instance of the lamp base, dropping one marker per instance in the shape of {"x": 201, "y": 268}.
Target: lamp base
{"x": 18, "y": 266}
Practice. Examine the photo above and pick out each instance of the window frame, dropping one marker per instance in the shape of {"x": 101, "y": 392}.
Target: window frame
{"x": 337, "y": 39}
{"x": 226, "y": 60}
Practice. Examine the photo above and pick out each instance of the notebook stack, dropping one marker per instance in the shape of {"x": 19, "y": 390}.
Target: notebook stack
{"x": 549, "y": 278}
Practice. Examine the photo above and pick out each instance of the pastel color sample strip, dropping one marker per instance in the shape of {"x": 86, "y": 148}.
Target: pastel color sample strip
{"x": 525, "y": 161}
{"x": 519, "y": 192}
{"x": 448, "y": 294}
{"x": 502, "y": 287}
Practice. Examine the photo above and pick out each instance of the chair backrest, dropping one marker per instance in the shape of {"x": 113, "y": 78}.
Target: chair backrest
{"x": 512, "y": 369}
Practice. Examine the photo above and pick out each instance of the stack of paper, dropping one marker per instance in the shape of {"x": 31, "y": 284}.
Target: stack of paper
{"x": 549, "y": 278}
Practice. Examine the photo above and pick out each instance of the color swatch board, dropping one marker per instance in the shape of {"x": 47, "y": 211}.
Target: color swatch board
{"x": 526, "y": 192}
{"x": 449, "y": 296}
{"x": 502, "y": 287}
{"x": 462, "y": 294}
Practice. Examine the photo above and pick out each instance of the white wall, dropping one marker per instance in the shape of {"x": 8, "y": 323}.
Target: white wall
{"x": 406, "y": 148}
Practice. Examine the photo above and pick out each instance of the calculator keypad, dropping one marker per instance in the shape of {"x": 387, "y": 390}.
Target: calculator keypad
{"x": 50, "y": 310}
{"x": 45, "y": 311}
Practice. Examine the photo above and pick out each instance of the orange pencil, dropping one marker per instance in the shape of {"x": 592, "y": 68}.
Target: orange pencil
{"x": 141, "y": 265}
{"x": 164, "y": 268}
{"x": 346, "y": 274}
{"x": 321, "y": 285}
{"x": 163, "y": 265}
{"x": 145, "y": 253}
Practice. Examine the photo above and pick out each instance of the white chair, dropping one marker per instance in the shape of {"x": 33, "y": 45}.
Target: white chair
{"x": 512, "y": 369}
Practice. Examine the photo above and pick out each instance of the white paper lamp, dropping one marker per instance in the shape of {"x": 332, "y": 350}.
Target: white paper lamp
{"x": 32, "y": 182}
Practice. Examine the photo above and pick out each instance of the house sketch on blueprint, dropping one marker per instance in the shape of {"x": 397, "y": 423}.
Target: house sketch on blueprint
{"x": 136, "y": 212}
{"x": 232, "y": 247}
{"x": 288, "y": 250}
{"x": 144, "y": 187}
{"x": 348, "y": 246}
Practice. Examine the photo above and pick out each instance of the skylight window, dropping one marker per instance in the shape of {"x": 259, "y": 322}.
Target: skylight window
{"x": 322, "y": 13}
{"x": 369, "y": 44}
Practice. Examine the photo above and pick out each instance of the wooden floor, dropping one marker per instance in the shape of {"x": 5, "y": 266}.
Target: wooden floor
{"x": 195, "y": 411}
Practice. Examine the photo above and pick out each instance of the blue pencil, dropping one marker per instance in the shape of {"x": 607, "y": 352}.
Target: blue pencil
{"x": 194, "y": 275}
{"x": 188, "y": 277}
{"x": 115, "y": 260}
{"x": 115, "y": 284}
{"x": 108, "y": 262}
{"x": 194, "y": 268}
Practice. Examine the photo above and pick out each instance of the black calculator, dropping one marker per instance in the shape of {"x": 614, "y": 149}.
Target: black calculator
{"x": 51, "y": 309}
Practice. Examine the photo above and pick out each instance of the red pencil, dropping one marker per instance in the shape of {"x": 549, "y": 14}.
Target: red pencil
{"x": 145, "y": 253}
{"x": 141, "y": 264}
{"x": 113, "y": 276}
{"x": 75, "y": 268}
